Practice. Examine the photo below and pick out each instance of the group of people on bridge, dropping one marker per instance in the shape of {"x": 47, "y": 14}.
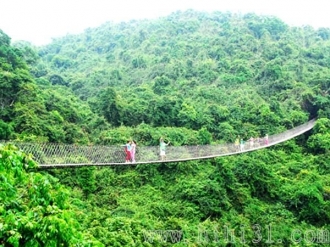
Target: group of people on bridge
{"x": 240, "y": 145}
{"x": 252, "y": 142}
{"x": 130, "y": 150}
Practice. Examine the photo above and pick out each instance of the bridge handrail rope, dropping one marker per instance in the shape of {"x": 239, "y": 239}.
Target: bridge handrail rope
{"x": 67, "y": 155}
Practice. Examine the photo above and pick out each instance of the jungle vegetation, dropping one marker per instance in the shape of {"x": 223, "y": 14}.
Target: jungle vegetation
{"x": 195, "y": 78}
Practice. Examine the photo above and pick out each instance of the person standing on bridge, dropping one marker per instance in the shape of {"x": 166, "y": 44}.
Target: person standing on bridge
{"x": 237, "y": 144}
{"x": 127, "y": 148}
{"x": 251, "y": 142}
{"x": 241, "y": 145}
{"x": 266, "y": 139}
{"x": 133, "y": 149}
{"x": 162, "y": 148}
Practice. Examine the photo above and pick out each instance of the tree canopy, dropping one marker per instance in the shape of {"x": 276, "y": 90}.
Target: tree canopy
{"x": 197, "y": 78}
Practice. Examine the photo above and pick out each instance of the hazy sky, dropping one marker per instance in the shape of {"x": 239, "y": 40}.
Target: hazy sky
{"x": 38, "y": 21}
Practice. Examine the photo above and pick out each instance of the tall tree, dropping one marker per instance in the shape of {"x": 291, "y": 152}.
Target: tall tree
{"x": 108, "y": 106}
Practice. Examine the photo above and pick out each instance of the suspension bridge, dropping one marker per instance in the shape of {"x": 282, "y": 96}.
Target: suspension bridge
{"x": 51, "y": 155}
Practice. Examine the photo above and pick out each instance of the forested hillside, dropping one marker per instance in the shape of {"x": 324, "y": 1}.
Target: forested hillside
{"x": 196, "y": 78}
{"x": 32, "y": 111}
{"x": 230, "y": 74}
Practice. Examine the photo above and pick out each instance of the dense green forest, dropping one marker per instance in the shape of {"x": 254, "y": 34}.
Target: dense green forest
{"x": 197, "y": 78}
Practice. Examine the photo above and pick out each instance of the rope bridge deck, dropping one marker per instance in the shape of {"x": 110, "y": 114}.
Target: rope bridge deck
{"x": 50, "y": 155}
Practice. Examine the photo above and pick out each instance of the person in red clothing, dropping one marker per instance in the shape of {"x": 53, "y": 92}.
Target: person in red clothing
{"x": 127, "y": 148}
{"x": 266, "y": 139}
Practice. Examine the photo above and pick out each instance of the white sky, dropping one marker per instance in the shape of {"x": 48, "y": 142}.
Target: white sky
{"x": 38, "y": 21}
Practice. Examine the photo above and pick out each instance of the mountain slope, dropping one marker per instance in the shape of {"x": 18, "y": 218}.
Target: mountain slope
{"x": 195, "y": 70}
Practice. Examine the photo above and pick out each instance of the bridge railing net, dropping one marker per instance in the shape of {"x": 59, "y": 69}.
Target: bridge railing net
{"x": 52, "y": 153}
